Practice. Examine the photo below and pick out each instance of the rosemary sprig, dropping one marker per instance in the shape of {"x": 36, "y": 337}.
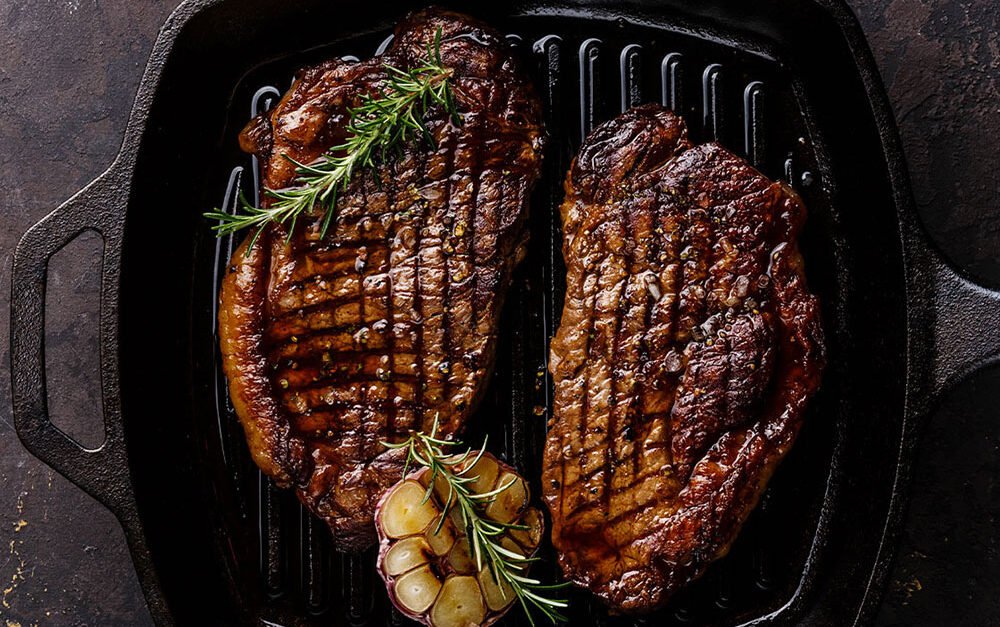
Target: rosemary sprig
{"x": 383, "y": 122}
{"x": 507, "y": 566}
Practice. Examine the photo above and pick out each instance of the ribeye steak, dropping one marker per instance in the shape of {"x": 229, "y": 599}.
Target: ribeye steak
{"x": 688, "y": 348}
{"x": 334, "y": 345}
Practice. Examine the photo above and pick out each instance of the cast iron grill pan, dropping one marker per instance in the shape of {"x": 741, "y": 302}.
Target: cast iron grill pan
{"x": 586, "y": 72}
{"x": 790, "y": 84}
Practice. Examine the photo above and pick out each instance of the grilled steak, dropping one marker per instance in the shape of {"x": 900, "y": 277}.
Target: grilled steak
{"x": 334, "y": 345}
{"x": 688, "y": 349}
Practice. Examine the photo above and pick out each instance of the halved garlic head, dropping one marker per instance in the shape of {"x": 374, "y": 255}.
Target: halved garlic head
{"x": 425, "y": 557}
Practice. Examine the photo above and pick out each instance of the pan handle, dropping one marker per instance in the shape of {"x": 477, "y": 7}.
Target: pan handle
{"x": 966, "y": 320}
{"x": 102, "y": 471}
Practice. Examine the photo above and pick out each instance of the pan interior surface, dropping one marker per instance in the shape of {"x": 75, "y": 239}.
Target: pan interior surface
{"x": 272, "y": 561}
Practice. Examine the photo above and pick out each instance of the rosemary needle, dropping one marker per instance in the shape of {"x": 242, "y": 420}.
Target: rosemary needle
{"x": 382, "y": 123}
{"x": 506, "y": 566}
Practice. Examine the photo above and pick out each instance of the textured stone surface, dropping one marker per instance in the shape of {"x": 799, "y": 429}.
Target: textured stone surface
{"x": 940, "y": 60}
{"x": 68, "y": 73}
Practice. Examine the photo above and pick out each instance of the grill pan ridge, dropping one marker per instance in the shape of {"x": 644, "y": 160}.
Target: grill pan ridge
{"x": 215, "y": 542}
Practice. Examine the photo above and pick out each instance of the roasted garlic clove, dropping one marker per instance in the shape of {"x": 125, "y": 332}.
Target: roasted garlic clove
{"x": 426, "y": 558}
{"x": 497, "y": 595}
{"x": 417, "y": 589}
{"x": 460, "y": 604}
{"x": 485, "y": 471}
{"x": 440, "y": 540}
{"x": 509, "y": 544}
{"x": 405, "y": 512}
{"x": 406, "y": 555}
{"x": 460, "y": 559}
{"x": 531, "y": 536}
{"x": 508, "y": 504}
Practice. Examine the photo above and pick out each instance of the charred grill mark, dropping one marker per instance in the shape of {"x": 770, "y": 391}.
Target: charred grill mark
{"x": 614, "y": 357}
{"x": 318, "y": 300}
{"x": 385, "y": 403}
{"x": 386, "y": 268}
{"x": 443, "y": 366}
{"x": 668, "y": 372}
{"x": 384, "y": 365}
{"x": 625, "y": 428}
{"x": 654, "y": 379}
{"x": 418, "y": 302}
{"x": 444, "y": 210}
{"x": 314, "y": 347}
{"x": 377, "y": 395}
{"x": 470, "y": 272}
{"x": 361, "y": 268}
{"x": 461, "y": 201}
{"x": 405, "y": 320}
{"x": 632, "y": 495}
{"x": 319, "y": 262}
{"x": 346, "y": 316}
{"x": 589, "y": 300}
{"x": 706, "y": 233}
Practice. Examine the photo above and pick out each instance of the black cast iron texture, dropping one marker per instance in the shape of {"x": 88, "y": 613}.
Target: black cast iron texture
{"x": 110, "y": 230}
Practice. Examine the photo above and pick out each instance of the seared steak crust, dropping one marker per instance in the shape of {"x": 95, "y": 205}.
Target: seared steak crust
{"x": 333, "y": 346}
{"x": 688, "y": 348}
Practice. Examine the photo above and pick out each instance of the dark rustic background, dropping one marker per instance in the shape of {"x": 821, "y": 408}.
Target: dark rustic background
{"x": 68, "y": 72}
